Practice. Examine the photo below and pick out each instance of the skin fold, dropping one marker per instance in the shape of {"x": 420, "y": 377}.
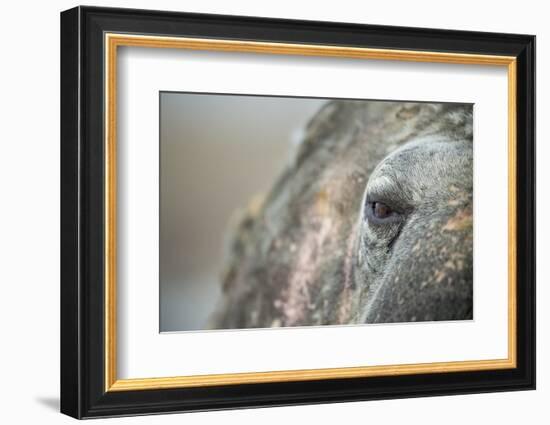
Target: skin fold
{"x": 313, "y": 252}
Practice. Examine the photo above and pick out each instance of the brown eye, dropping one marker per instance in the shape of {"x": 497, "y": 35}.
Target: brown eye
{"x": 380, "y": 213}
{"x": 381, "y": 210}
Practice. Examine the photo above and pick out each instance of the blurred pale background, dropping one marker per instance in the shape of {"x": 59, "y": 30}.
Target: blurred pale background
{"x": 216, "y": 153}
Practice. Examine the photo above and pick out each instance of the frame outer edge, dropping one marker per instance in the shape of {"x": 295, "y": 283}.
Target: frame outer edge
{"x": 529, "y": 179}
{"x": 70, "y": 294}
{"x": 533, "y": 126}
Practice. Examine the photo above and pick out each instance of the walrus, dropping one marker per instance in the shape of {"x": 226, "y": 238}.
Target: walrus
{"x": 370, "y": 223}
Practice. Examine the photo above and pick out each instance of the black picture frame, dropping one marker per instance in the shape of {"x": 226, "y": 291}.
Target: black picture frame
{"x": 83, "y": 392}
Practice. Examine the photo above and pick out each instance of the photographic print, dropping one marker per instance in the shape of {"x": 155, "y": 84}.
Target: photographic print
{"x": 287, "y": 211}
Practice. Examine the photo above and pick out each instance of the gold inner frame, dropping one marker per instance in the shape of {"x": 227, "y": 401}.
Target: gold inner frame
{"x": 113, "y": 41}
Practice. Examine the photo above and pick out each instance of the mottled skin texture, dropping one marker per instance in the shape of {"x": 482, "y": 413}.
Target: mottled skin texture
{"x": 307, "y": 254}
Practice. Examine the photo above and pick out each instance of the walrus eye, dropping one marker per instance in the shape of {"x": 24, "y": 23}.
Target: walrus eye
{"x": 381, "y": 213}
{"x": 381, "y": 210}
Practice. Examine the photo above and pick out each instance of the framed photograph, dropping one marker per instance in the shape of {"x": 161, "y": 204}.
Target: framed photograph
{"x": 261, "y": 212}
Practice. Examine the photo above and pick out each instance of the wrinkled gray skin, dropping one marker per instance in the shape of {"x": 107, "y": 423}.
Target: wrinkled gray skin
{"x": 308, "y": 254}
